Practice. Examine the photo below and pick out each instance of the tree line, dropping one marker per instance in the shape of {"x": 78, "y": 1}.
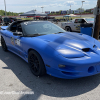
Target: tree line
{"x": 2, "y": 13}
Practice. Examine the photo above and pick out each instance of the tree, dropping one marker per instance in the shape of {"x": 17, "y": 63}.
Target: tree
{"x": 2, "y": 13}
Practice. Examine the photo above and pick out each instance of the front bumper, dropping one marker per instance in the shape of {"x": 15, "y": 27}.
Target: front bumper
{"x": 73, "y": 74}
{"x": 75, "y": 68}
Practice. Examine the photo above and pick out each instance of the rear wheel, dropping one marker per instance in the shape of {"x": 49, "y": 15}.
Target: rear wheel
{"x": 67, "y": 28}
{"x": 3, "y": 44}
{"x": 36, "y": 63}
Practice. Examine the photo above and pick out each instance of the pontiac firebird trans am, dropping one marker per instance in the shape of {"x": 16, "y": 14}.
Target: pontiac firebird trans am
{"x": 49, "y": 49}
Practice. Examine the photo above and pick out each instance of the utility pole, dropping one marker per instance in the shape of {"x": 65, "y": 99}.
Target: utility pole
{"x": 97, "y": 22}
{"x": 42, "y": 9}
{"x": 81, "y": 8}
{"x": 5, "y": 7}
{"x": 70, "y": 9}
{"x": 35, "y": 13}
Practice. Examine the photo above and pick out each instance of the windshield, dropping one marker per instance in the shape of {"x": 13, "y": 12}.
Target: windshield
{"x": 90, "y": 20}
{"x": 41, "y": 28}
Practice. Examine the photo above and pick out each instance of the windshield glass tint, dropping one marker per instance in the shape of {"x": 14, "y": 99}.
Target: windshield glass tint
{"x": 90, "y": 20}
{"x": 41, "y": 28}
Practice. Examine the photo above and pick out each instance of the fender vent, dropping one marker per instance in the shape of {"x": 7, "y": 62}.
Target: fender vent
{"x": 86, "y": 49}
{"x": 94, "y": 46}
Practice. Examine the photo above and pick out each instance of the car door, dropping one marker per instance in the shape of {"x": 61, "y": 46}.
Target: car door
{"x": 14, "y": 43}
{"x": 10, "y": 37}
{"x": 76, "y": 25}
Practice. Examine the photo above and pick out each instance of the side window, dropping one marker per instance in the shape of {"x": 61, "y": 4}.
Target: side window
{"x": 76, "y": 21}
{"x": 13, "y": 27}
{"x": 79, "y": 21}
{"x": 83, "y": 21}
{"x": 19, "y": 28}
{"x": 16, "y": 27}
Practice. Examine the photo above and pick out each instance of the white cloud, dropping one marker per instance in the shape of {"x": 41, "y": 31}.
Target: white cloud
{"x": 68, "y": 3}
{"x": 50, "y": 5}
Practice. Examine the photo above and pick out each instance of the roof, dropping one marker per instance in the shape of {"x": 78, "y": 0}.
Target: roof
{"x": 33, "y": 13}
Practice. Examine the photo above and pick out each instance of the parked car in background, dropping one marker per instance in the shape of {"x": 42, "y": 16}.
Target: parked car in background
{"x": 8, "y": 20}
{"x": 0, "y": 19}
{"x": 13, "y": 19}
{"x": 74, "y": 25}
{"x": 48, "y": 17}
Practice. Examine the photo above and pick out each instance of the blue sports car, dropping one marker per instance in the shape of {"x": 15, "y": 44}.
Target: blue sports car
{"x": 49, "y": 49}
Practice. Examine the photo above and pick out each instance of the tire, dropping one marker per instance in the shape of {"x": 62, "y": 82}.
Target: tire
{"x": 3, "y": 44}
{"x": 67, "y": 28}
{"x": 36, "y": 63}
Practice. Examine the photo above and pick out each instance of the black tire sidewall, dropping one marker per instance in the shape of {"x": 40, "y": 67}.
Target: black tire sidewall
{"x": 68, "y": 27}
{"x": 2, "y": 39}
{"x": 42, "y": 69}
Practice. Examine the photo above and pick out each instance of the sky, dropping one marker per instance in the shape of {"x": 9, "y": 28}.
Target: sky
{"x": 49, "y": 5}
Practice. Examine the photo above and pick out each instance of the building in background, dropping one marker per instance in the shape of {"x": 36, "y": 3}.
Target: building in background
{"x": 69, "y": 11}
{"x": 52, "y": 12}
{"x": 47, "y": 12}
{"x": 64, "y": 12}
{"x": 89, "y": 10}
{"x": 76, "y": 11}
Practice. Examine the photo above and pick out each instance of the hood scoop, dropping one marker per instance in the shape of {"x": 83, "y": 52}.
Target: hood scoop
{"x": 86, "y": 49}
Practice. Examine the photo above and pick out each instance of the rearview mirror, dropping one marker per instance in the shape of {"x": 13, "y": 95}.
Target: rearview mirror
{"x": 18, "y": 33}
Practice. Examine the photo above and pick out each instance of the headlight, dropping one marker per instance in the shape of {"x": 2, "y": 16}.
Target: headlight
{"x": 71, "y": 53}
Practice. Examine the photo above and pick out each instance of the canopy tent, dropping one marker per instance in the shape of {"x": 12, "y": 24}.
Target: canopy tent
{"x": 33, "y": 13}
{"x": 72, "y": 15}
{"x": 66, "y": 16}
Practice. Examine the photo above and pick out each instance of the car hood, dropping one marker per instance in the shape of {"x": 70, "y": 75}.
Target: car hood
{"x": 74, "y": 43}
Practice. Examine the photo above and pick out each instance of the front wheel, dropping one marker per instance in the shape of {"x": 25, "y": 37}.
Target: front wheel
{"x": 3, "y": 44}
{"x": 67, "y": 28}
{"x": 36, "y": 63}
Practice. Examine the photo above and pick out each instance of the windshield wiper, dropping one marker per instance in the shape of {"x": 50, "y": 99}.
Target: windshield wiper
{"x": 58, "y": 32}
{"x": 36, "y": 34}
{"x": 61, "y": 32}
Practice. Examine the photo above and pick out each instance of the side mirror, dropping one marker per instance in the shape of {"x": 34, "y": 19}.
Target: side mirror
{"x": 18, "y": 33}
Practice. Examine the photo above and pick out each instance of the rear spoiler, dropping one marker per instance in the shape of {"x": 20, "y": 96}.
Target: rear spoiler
{"x": 4, "y": 27}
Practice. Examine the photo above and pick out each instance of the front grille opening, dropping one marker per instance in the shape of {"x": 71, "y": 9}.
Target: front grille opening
{"x": 86, "y": 49}
{"x": 70, "y": 73}
{"x": 91, "y": 69}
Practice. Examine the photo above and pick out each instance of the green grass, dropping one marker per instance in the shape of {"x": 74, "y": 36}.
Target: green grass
{"x": 27, "y": 18}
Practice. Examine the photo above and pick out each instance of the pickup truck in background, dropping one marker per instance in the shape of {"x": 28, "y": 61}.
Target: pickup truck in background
{"x": 74, "y": 25}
